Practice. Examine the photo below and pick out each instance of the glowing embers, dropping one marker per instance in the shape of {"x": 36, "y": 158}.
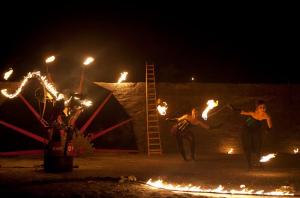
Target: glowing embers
{"x": 282, "y": 191}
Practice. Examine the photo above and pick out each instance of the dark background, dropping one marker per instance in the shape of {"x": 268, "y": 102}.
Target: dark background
{"x": 222, "y": 43}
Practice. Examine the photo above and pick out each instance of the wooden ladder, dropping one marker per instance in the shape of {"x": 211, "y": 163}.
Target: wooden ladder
{"x": 153, "y": 134}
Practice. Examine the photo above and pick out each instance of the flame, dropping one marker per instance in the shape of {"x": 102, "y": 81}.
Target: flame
{"x": 50, "y": 59}
{"x": 162, "y": 108}
{"x": 49, "y": 87}
{"x": 267, "y": 158}
{"x": 86, "y": 103}
{"x": 220, "y": 189}
{"x": 296, "y": 150}
{"x": 210, "y": 105}
{"x": 230, "y": 151}
{"x": 88, "y": 60}
{"x": 8, "y": 73}
{"x": 122, "y": 77}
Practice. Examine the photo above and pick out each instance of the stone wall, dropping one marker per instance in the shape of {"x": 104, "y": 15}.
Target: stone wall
{"x": 282, "y": 103}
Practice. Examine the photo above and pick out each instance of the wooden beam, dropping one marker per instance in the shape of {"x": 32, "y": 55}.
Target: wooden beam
{"x": 100, "y": 133}
{"x": 25, "y": 132}
{"x": 89, "y": 121}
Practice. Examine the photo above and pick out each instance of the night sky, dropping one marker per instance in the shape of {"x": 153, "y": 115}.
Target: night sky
{"x": 249, "y": 43}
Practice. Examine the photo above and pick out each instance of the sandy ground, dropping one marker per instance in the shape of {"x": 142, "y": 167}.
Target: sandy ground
{"x": 99, "y": 175}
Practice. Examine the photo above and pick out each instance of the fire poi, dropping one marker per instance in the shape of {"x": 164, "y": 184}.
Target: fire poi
{"x": 162, "y": 107}
{"x": 210, "y": 105}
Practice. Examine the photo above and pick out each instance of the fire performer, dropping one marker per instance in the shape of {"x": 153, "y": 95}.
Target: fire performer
{"x": 182, "y": 131}
{"x": 256, "y": 125}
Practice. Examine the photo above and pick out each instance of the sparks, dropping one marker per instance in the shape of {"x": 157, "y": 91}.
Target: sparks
{"x": 123, "y": 77}
{"x": 210, "y": 105}
{"x": 50, "y": 59}
{"x": 88, "y": 60}
{"x": 8, "y": 73}
{"x": 267, "y": 158}
{"x": 220, "y": 189}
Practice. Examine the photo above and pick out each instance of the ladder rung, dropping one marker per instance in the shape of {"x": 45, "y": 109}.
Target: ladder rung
{"x": 153, "y": 126}
{"x": 152, "y": 109}
{"x": 151, "y": 96}
{"x": 155, "y": 150}
{"x": 153, "y": 120}
{"x": 154, "y": 143}
{"x": 154, "y": 147}
{"x": 154, "y": 138}
{"x": 153, "y": 132}
{"x": 151, "y": 86}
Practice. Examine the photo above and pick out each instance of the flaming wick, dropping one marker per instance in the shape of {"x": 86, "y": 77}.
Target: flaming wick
{"x": 122, "y": 77}
{"x": 50, "y": 59}
{"x": 210, "y": 105}
{"x": 88, "y": 60}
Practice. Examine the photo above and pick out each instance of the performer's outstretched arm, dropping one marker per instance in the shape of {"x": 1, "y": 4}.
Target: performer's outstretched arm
{"x": 247, "y": 113}
{"x": 202, "y": 124}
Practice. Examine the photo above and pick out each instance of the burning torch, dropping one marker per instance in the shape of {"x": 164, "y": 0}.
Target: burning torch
{"x": 122, "y": 77}
{"x": 86, "y": 62}
{"x": 48, "y": 61}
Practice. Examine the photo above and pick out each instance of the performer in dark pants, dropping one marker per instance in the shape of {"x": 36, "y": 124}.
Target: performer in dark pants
{"x": 253, "y": 130}
{"x": 182, "y": 131}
